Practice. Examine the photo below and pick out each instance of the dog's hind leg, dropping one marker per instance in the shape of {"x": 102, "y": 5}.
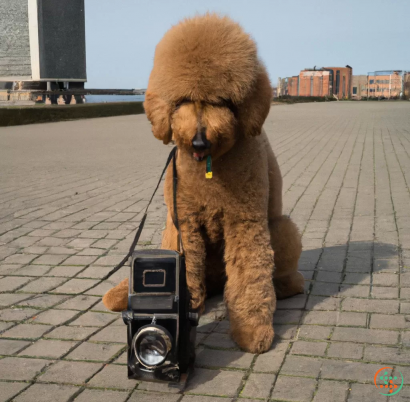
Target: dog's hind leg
{"x": 285, "y": 237}
{"x": 287, "y": 246}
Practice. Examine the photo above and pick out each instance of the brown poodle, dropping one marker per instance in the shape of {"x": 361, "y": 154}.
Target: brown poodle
{"x": 209, "y": 93}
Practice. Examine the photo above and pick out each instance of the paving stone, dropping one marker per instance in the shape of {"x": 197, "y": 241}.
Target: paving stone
{"x": 295, "y": 302}
{"x": 271, "y": 361}
{"x": 202, "y": 398}
{"x": 223, "y": 327}
{"x": 315, "y": 332}
{"x": 345, "y": 350}
{"x": 10, "y": 283}
{"x": 380, "y": 292}
{"x": 91, "y": 319}
{"x": 386, "y": 355}
{"x": 321, "y": 317}
{"x": 156, "y": 397}
{"x": 48, "y": 348}
{"x": 47, "y": 393}
{"x": 215, "y": 382}
{"x": 287, "y": 316}
{"x": 81, "y": 302}
{"x": 8, "y": 299}
{"x": 258, "y": 385}
{"x": 331, "y": 391}
{"x": 20, "y": 259}
{"x": 111, "y": 333}
{"x": 51, "y": 241}
{"x": 33, "y": 270}
{"x": 75, "y": 286}
{"x": 354, "y": 291}
{"x": 371, "y": 306}
{"x": 352, "y": 319}
{"x": 26, "y": 331}
{"x": 309, "y": 348}
{"x": 365, "y": 392}
{"x": 9, "y": 389}
{"x": 70, "y": 372}
{"x": 95, "y": 272}
{"x": 16, "y": 314}
{"x": 348, "y": 371}
{"x": 54, "y": 317}
{"x": 79, "y": 260}
{"x": 221, "y": 358}
{"x": 5, "y": 325}
{"x": 365, "y": 335}
{"x": 301, "y": 366}
{"x": 94, "y": 352}
{"x": 294, "y": 389}
{"x": 388, "y": 321}
{"x": 70, "y": 333}
{"x": 356, "y": 279}
{"x": 324, "y": 276}
{"x": 325, "y": 289}
{"x": 405, "y": 338}
{"x": 285, "y": 331}
{"x": 166, "y": 389}
{"x": 386, "y": 279}
{"x": 66, "y": 271}
{"x": 43, "y": 301}
{"x": 50, "y": 259}
{"x": 96, "y": 395}
{"x": 42, "y": 285}
{"x": 220, "y": 341}
{"x": 93, "y": 234}
{"x": 11, "y": 346}
{"x": 112, "y": 376}
{"x": 323, "y": 303}
{"x": 21, "y": 369}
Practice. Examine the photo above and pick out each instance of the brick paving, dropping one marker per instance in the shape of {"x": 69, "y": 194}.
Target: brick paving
{"x": 72, "y": 195}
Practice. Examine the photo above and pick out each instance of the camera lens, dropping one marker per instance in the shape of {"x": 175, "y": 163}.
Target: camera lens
{"x": 151, "y": 345}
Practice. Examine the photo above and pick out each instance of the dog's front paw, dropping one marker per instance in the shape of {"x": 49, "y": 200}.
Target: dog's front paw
{"x": 253, "y": 339}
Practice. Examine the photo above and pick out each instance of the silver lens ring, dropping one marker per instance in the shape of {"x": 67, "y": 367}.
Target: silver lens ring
{"x": 151, "y": 345}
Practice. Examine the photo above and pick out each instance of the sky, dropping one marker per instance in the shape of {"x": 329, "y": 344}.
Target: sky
{"x": 291, "y": 35}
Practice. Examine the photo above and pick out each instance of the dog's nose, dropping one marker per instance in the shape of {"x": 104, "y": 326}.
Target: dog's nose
{"x": 200, "y": 142}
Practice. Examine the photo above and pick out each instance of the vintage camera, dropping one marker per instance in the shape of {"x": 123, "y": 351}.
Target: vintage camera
{"x": 161, "y": 328}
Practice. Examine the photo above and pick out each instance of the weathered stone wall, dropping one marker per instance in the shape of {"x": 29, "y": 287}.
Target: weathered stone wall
{"x": 14, "y": 39}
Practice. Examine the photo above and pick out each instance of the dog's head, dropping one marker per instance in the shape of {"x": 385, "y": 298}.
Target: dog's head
{"x": 207, "y": 87}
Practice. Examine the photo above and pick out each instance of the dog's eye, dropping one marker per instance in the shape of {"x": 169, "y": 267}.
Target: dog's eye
{"x": 226, "y": 103}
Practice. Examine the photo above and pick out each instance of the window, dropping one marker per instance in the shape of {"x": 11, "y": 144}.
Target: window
{"x": 371, "y": 82}
{"x": 354, "y": 90}
{"x": 336, "y": 92}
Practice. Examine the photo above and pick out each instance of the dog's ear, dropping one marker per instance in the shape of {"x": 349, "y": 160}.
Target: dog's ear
{"x": 159, "y": 114}
{"x": 255, "y": 108}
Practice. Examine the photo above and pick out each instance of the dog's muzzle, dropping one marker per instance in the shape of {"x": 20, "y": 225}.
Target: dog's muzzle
{"x": 200, "y": 144}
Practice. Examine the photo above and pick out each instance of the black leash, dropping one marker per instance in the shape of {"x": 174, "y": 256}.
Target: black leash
{"x": 141, "y": 225}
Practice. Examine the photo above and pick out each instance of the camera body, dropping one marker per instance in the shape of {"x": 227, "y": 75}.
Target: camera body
{"x": 161, "y": 329}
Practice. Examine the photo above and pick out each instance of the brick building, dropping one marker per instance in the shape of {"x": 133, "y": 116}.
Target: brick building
{"x": 326, "y": 81}
{"x": 342, "y": 81}
{"x": 385, "y": 84}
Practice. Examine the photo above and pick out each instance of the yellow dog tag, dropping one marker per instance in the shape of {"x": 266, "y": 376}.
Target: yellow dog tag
{"x": 208, "y": 174}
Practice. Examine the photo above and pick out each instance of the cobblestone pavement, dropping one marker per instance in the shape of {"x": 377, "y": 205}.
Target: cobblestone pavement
{"x": 71, "y": 197}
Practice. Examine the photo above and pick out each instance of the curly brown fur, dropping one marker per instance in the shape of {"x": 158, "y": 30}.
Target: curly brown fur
{"x": 207, "y": 81}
